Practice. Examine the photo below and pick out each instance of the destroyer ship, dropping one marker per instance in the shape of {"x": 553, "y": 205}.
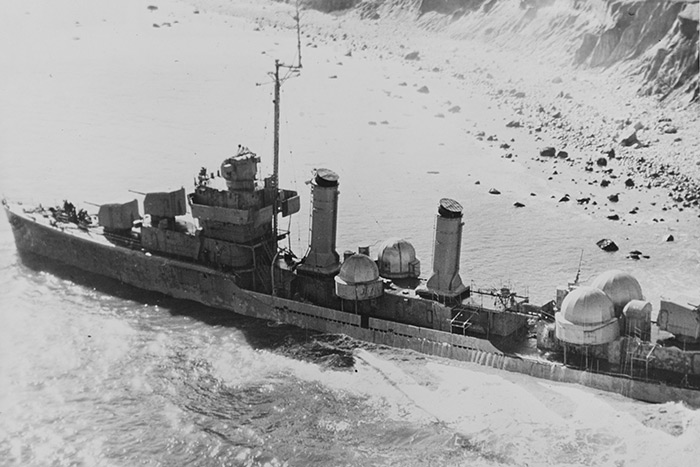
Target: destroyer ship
{"x": 220, "y": 245}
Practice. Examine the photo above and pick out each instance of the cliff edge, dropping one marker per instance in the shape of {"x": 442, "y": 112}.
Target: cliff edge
{"x": 654, "y": 43}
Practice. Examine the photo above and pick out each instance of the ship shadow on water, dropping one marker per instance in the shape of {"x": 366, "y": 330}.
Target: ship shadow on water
{"x": 332, "y": 351}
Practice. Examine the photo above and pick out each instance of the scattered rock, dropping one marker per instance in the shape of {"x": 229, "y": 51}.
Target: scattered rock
{"x": 513, "y": 124}
{"x": 601, "y": 162}
{"x": 412, "y": 56}
{"x": 564, "y": 199}
{"x": 424, "y": 89}
{"x": 494, "y": 191}
{"x": 628, "y": 137}
{"x": 629, "y": 183}
{"x": 583, "y": 200}
{"x": 610, "y": 153}
{"x": 669, "y": 238}
{"x": 606, "y": 244}
{"x": 477, "y": 182}
{"x": 548, "y": 152}
{"x": 518, "y": 204}
{"x": 152, "y": 7}
{"x": 614, "y": 217}
{"x": 454, "y": 109}
{"x": 604, "y": 183}
{"x": 563, "y": 155}
{"x": 614, "y": 198}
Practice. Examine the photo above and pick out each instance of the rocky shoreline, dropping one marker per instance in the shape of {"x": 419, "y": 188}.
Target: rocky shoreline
{"x": 588, "y": 114}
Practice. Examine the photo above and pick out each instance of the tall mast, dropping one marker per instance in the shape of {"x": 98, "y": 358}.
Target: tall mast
{"x": 298, "y": 35}
{"x": 276, "y": 151}
{"x": 276, "y": 138}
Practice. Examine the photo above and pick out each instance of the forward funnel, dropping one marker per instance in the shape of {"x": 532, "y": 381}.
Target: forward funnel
{"x": 321, "y": 258}
{"x": 445, "y": 284}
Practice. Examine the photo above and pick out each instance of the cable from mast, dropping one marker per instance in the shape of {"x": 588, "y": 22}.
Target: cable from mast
{"x": 578, "y": 273}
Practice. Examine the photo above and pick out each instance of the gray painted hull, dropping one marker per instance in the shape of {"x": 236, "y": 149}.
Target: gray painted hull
{"x": 189, "y": 281}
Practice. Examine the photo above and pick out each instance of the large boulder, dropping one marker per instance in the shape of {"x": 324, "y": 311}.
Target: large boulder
{"x": 548, "y": 152}
{"x": 606, "y": 244}
{"x": 628, "y": 136}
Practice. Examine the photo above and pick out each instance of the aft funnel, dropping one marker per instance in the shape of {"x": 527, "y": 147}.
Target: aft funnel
{"x": 445, "y": 282}
{"x": 321, "y": 258}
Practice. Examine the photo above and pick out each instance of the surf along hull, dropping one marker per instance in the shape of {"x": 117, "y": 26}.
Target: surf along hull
{"x": 217, "y": 289}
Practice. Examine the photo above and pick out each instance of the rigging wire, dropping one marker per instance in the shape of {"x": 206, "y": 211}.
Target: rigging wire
{"x": 291, "y": 161}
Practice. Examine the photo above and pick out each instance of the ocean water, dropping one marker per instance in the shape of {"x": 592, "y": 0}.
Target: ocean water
{"x": 98, "y": 101}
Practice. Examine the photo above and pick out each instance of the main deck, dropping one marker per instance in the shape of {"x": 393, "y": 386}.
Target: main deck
{"x": 89, "y": 250}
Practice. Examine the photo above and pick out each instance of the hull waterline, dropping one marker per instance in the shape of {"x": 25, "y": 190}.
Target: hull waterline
{"x": 184, "y": 280}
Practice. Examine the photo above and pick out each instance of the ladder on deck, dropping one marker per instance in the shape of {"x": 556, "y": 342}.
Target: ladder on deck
{"x": 463, "y": 319}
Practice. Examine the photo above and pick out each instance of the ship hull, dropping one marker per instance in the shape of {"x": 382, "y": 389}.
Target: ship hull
{"x": 217, "y": 289}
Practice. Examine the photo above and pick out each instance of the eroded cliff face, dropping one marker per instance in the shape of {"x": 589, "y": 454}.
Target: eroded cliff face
{"x": 654, "y": 41}
{"x": 660, "y": 38}
{"x": 675, "y": 64}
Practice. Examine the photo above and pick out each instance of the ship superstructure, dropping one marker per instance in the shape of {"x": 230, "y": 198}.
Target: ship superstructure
{"x": 230, "y": 228}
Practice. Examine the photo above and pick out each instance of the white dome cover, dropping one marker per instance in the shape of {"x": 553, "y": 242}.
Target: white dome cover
{"x": 587, "y": 317}
{"x": 587, "y": 306}
{"x": 358, "y": 269}
{"x": 620, "y": 286}
{"x": 397, "y": 258}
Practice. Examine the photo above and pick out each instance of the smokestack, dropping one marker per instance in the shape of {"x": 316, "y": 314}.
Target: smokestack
{"x": 321, "y": 258}
{"x": 445, "y": 281}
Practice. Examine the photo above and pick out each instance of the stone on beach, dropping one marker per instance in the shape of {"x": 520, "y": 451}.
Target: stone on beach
{"x": 606, "y": 244}
{"x": 548, "y": 152}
